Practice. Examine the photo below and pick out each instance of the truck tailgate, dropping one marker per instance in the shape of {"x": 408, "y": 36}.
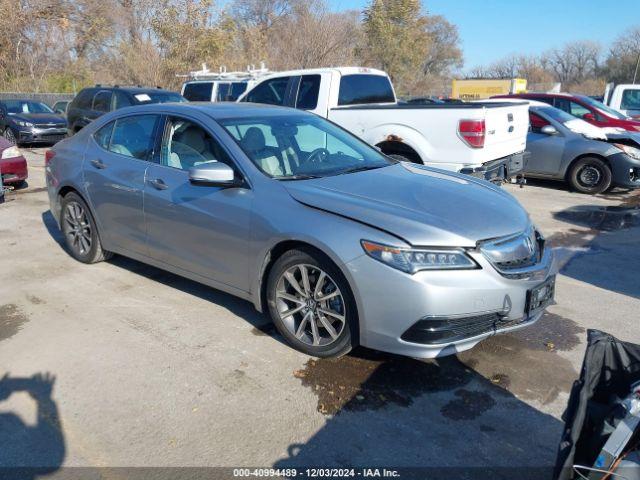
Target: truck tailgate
{"x": 506, "y": 130}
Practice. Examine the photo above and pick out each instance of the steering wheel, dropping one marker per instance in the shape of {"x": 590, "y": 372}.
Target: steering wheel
{"x": 318, "y": 155}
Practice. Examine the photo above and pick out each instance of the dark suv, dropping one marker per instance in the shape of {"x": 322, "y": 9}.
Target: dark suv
{"x": 92, "y": 102}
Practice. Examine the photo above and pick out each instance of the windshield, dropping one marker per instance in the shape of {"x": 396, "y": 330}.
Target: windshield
{"x": 294, "y": 147}
{"x": 159, "y": 97}
{"x": 26, "y": 106}
{"x": 603, "y": 108}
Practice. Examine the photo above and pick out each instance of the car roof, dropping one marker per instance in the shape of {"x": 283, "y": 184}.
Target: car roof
{"x": 133, "y": 89}
{"x": 218, "y": 110}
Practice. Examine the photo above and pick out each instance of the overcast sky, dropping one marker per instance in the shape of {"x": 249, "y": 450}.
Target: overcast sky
{"x": 492, "y": 29}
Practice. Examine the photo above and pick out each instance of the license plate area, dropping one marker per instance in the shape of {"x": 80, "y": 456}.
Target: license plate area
{"x": 541, "y": 296}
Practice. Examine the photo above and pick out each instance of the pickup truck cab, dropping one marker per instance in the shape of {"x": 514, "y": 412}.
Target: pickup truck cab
{"x": 624, "y": 98}
{"x": 583, "y": 107}
{"x": 486, "y": 140}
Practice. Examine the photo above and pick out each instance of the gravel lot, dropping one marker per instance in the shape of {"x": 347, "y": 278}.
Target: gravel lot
{"x": 154, "y": 370}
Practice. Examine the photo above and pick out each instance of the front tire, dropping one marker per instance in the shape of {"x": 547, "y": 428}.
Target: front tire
{"x": 590, "y": 175}
{"x": 9, "y": 136}
{"x": 80, "y": 231}
{"x": 311, "y": 304}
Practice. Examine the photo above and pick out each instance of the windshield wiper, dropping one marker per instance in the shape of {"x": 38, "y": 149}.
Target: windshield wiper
{"x": 361, "y": 168}
{"x": 302, "y": 176}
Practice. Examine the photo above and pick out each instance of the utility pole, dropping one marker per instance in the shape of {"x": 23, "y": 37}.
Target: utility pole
{"x": 635, "y": 74}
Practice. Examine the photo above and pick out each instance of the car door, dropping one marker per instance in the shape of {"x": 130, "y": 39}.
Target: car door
{"x": 545, "y": 151}
{"x": 116, "y": 162}
{"x": 198, "y": 228}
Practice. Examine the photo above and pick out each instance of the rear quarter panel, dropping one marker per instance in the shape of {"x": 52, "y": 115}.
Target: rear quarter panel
{"x": 433, "y": 132}
{"x": 66, "y": 170}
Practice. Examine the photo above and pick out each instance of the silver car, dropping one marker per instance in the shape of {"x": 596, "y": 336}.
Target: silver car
{"x": 339, "y": 243}
{"x": 562, "y": 147}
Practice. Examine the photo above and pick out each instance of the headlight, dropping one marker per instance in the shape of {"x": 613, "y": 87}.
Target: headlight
{"x": 412, "y": 260}
{"x": 633, "y": 152}
{"x": 11, "y": 152}
{"x": 22, "y": 123}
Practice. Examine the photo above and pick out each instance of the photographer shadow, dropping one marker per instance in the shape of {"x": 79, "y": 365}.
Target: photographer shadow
{"x": 29, "y": 451}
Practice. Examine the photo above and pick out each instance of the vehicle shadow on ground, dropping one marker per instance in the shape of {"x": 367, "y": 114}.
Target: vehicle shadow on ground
{"x": 244, "y": 309}
{"x": 602, "y": 246}
{"x": 614, "y": 193}
{"x": 438, "y": 419}
{"x": 237, "y": 306}
{"x": 29, "y": 451}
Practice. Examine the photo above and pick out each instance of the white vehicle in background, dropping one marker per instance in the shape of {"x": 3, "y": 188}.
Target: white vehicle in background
{"x": 486, "y": 140}
{"x": 624, "y": 97}
{"x": 222, "y": 86}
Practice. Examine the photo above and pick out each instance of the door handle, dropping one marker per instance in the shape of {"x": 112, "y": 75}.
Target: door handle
{"x": 158, "y": 184}
{"x": 99, "y": 164}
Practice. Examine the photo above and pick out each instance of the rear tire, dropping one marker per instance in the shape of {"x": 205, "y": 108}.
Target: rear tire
{"x": 80, "y": 231}
{"x": 590, "y": 175}
{"x": 323, "y": 313}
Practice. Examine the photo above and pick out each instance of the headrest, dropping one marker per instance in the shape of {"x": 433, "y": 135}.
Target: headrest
{"x": 254, "y": 140}
{"x": 194, "y": 138}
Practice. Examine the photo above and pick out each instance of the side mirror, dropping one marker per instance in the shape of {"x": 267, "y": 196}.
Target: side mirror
{"x": 215, "y": 174}
{"x": 549, "y": 130}
{"x": 589, "y": 117}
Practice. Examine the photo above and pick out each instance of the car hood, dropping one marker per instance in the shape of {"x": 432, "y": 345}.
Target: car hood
{"x": 423, "y": 206}
{"x": 40, "y": 118}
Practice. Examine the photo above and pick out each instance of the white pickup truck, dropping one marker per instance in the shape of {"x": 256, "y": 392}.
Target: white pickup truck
{"x": 483, "y": 139}
{"x": 625, "y": 98}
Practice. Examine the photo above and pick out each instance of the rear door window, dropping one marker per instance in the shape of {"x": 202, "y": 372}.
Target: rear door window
{"x": 223, "y": 92}
{"x": 103, "y": 135}
{"x": 363, "y": 89}
{"x": 198, "y": 91}
{"x": 134, "y": 136}
{"x": 270, "y": 92}
{"x": 102, "y": 101}
{"x": 122, "y": 100}
{"x": 237, "y": 89}
{"x": 308, "y": 92}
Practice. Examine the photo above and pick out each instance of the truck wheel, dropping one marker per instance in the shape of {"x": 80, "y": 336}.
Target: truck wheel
{"x": 590, "y": 175}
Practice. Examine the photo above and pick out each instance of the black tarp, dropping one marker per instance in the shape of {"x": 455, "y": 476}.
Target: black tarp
{"x": 609, "y": 369}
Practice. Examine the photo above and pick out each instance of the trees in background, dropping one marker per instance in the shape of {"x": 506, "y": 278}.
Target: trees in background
{"x": 66, "y": 44}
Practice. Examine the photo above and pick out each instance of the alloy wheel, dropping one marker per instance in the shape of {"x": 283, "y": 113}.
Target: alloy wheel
{"x": 8, "y": 134}
{"x": 78, "y": 228}
{"x": 310, "y": 305}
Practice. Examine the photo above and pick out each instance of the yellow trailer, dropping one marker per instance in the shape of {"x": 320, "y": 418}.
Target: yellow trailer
{"x": 477, "y": 89}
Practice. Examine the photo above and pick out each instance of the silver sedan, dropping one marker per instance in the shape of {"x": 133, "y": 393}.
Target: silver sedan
{"x": 338, "y": 243}
{"x": 562, "y": 147}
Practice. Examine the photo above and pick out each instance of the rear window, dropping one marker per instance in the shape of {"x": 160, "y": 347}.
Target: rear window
{"x": 198, "y": 92}
{"x": 630, "y": 100}
{"x": 362, "y": 89}
{"x": 84, "y": 98}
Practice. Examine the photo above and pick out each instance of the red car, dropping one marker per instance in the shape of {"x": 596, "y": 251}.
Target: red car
{"x": 13, "y": 166}
{"x": 583, "y": 107}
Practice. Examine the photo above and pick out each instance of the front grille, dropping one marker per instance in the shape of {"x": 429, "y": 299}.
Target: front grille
{"x": 50, "y": 125}
{"x": 442, "y": 330}
{"x": 515, "y": 252}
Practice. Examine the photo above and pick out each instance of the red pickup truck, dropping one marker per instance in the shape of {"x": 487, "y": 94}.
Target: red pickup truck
{"x": 583, "y": 107}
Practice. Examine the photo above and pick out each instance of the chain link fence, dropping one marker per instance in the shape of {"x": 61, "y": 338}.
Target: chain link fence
{"x": 48, "y": 98}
